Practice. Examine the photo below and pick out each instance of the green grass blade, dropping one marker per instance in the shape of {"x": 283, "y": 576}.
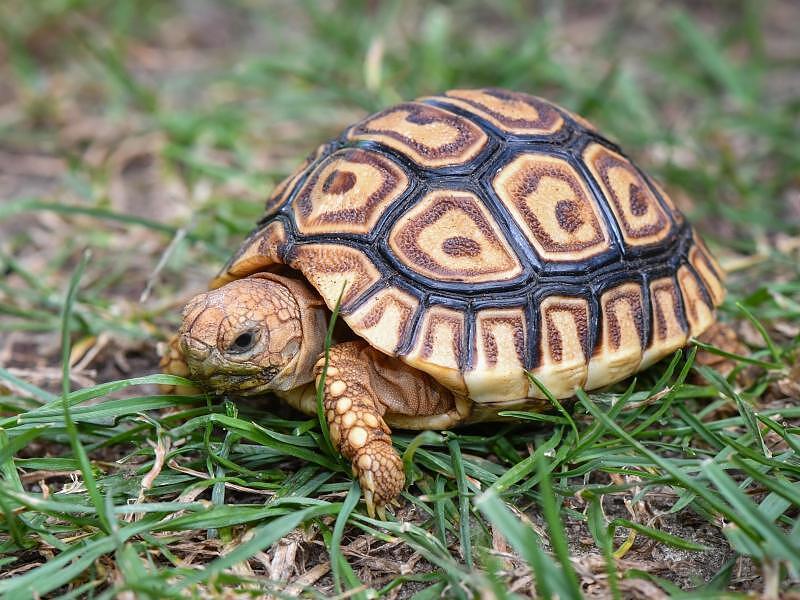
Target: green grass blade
{"x": 776, "y": 540}
{"x": 555, "y": 528}
{"x": 600, "y": 532}
{"x": 764, "y": 364}
{"x": 550, "y": 579}
{"x": 340, "y": 568}
{"x": 72, "y": 431}
{"x": 553, "y": 401}
{"x": 463, "y": 500}
{"x": 31, "y": 389}
{"x": 685, "y": 481}
{"x": 774, "y": 351}
{"x": 710, "y": 56}
{"x": 527, "y": 465}
{"x": 659, "y": 536}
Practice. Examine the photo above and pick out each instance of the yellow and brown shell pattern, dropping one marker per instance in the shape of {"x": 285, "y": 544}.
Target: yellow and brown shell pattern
{"x": 482, "y": 234}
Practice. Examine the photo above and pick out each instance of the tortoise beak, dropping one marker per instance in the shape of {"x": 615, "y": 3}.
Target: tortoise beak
{"x": 198, "y": 335}
{"x": 209, "y": 369}
{"x": 197, "y": 354}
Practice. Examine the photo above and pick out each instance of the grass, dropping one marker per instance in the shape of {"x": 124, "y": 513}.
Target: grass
{"x": 151, "y": 135}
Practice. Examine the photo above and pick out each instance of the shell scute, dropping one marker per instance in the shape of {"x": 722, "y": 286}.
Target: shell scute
{"x": 563, "y": 339}
{"x": 641, "y": 217}
{"x": 261, "y": 250}
{"x": 708, "y": 270}
{"x": 429, "y": 136}
{"x": 668, "y": 323}
{"x": 283, "y": 191}
{"x": 440, "y": 346}
{"x": 334, "y": 270}
{"x": 554, "y": 207}
{"x": 348, "y": 193}
{"x": 449, "y": 235}
{"x": 623, "y": 336}
{"x": 385, "y": 319}
{"x": 498, "y": 369}
{"x": 513, "y": 112}
{"x": 699, "y": 312}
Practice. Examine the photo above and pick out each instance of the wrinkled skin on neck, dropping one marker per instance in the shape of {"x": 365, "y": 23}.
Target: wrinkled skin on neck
{"x": 254, "y": 335}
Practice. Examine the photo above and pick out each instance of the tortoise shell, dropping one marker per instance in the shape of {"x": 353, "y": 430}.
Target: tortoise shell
{"x": 484, "y": 234}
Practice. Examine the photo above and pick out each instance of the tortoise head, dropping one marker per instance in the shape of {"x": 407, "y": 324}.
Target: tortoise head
{"x": 253, "y": 335}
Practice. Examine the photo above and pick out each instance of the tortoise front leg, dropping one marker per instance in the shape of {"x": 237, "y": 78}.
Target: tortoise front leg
{"x": 355, "y": 420}
{"x": 361, "y": 386}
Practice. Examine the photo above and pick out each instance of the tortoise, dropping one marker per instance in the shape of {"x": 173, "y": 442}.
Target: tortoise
{"x": 472, "y": 241}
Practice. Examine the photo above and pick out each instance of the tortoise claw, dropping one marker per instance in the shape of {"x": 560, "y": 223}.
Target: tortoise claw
{"x": 380, "y": 474}
{"x": 368, "y": 499}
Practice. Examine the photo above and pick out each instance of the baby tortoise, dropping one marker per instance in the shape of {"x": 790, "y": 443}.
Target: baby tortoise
{"x": 471, "y": 238}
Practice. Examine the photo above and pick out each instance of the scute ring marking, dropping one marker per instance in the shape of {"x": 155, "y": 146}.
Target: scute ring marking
{"x": 638, "y": 211}
{"x": 437, "y": 239}
{"x": 417, "y": 130}
{"x": 348, "y": 192}
{"x": 513, "y": 112}
{"x": 553, "y": 206}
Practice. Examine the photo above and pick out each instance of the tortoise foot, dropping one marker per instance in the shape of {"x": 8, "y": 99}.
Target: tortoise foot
{"x": 380, "y": 473}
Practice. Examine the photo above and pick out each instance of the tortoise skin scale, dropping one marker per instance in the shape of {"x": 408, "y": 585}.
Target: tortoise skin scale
{"x": 481, "y": 234}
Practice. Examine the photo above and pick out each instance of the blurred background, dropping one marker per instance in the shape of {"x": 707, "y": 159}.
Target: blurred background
{"x": 152, "y": 131}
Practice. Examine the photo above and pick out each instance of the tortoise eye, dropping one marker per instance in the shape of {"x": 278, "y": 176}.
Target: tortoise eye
{"x": 243, "y": 342}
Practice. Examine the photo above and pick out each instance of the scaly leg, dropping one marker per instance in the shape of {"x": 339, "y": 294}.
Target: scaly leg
{"x": 361, "y": 385}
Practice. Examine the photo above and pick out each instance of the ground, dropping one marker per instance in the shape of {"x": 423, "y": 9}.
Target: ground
{"x": 150, "y": 133}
